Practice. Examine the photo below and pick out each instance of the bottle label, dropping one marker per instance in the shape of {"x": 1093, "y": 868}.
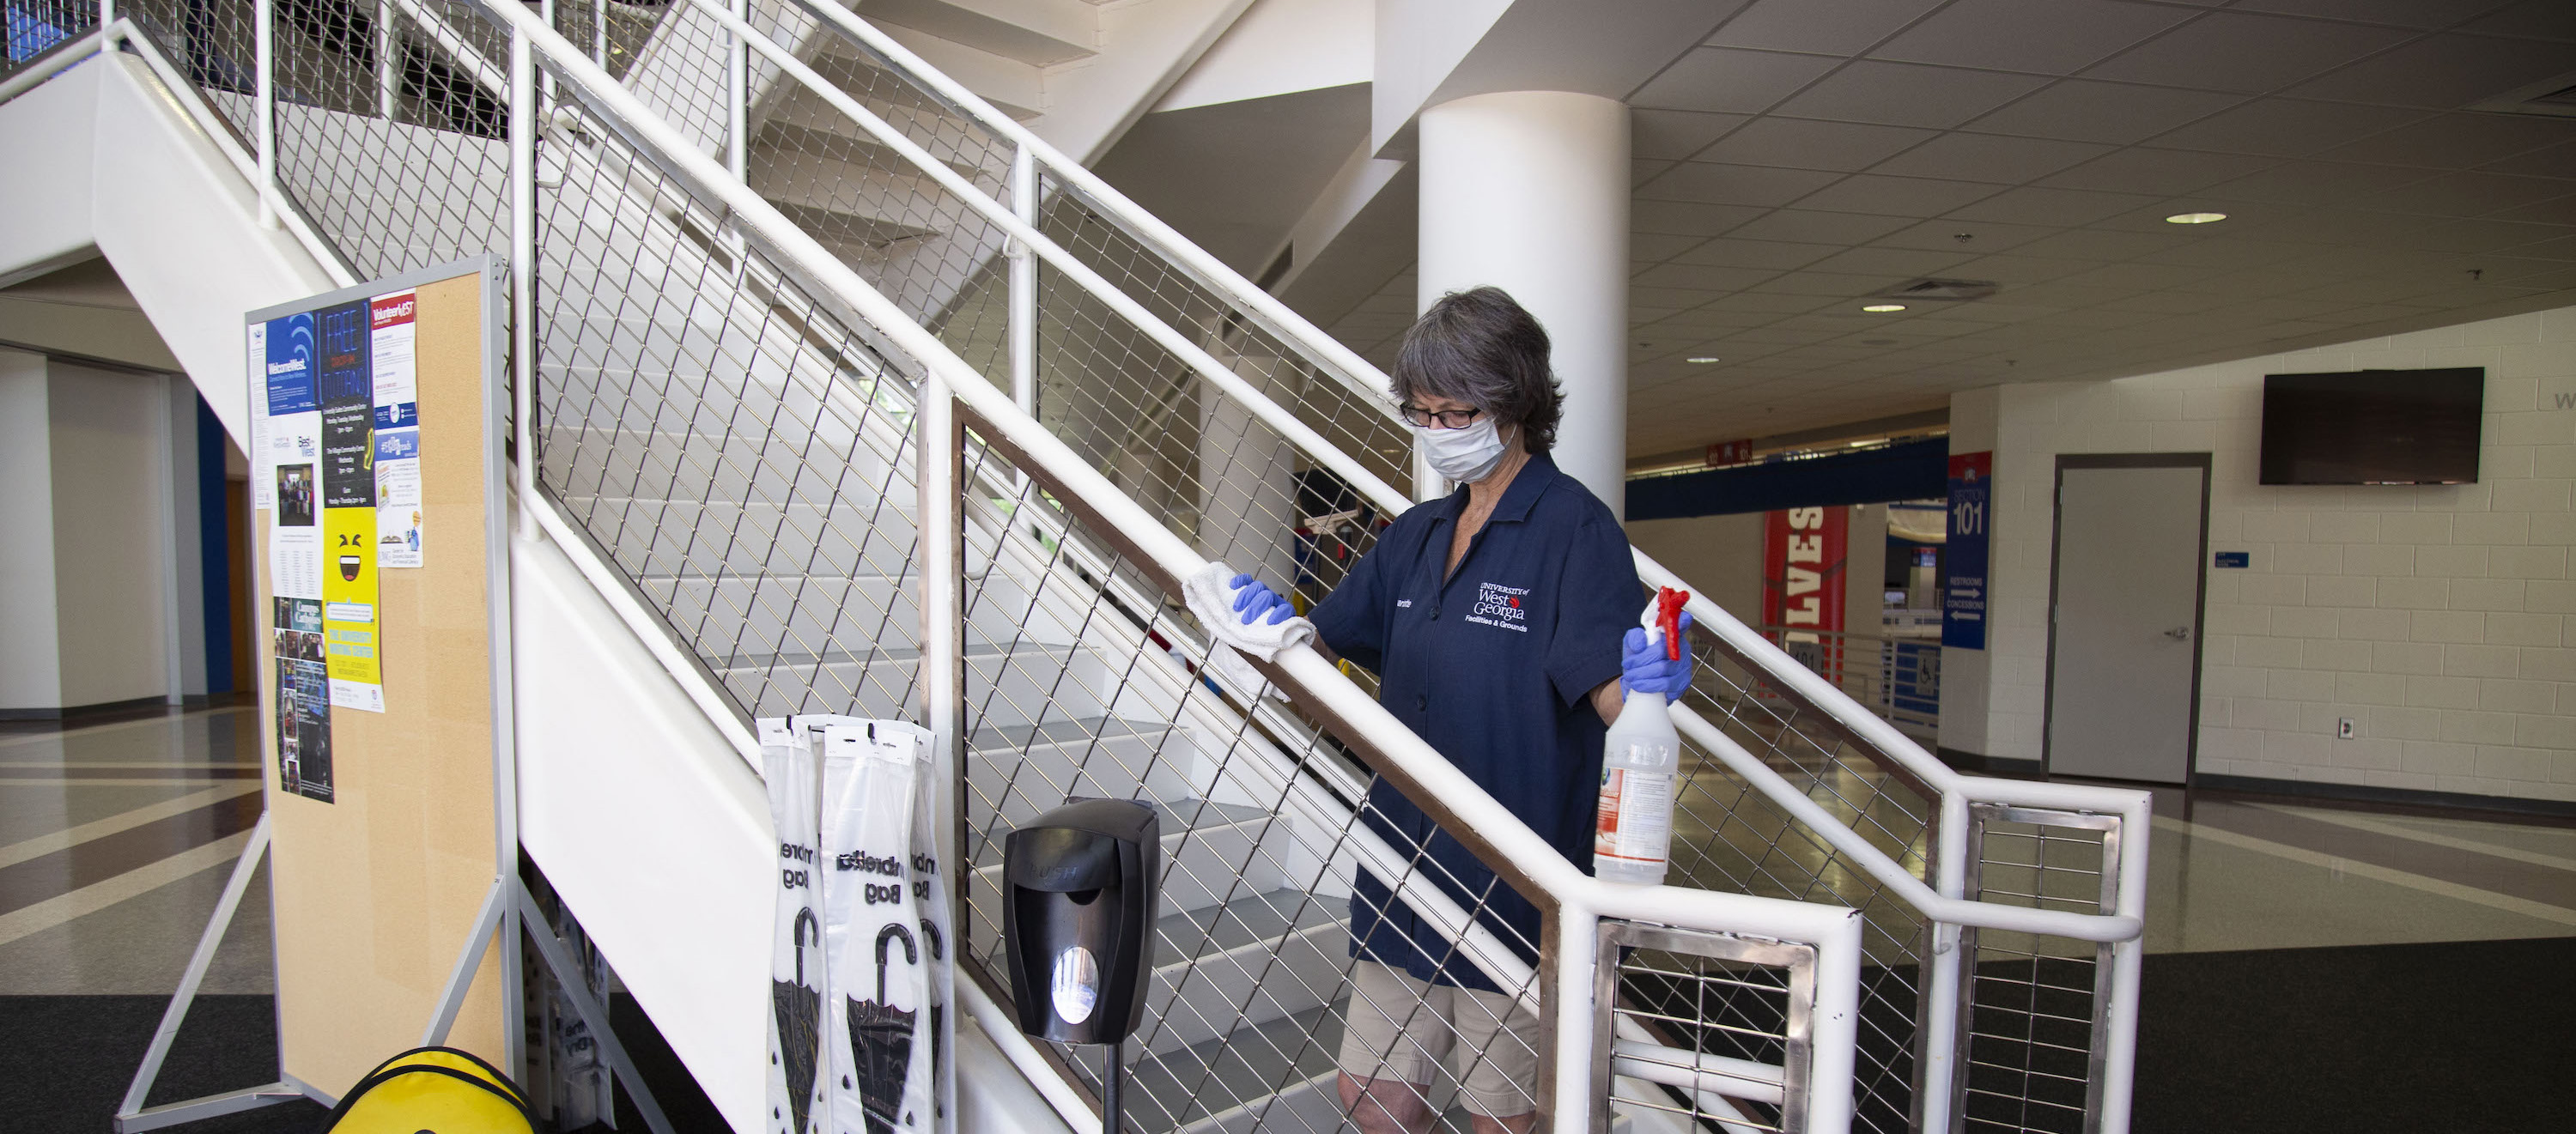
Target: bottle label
{"x": 1635, "y": 821}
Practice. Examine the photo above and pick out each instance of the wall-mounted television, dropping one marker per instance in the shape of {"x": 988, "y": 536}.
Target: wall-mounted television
{"x": 2373, "y": 426}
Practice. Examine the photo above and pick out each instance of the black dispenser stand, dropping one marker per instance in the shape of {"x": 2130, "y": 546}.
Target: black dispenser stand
{"x": 1083, "y": 885}
{"x": 1112, "y": 1119}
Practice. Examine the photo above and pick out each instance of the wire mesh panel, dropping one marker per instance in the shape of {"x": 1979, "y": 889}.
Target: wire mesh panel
{"x": 1280, "y": 852}
{"x": 2033, "y": 1027}
{"x": 1729, "y": 836}
{"x": 37, "y": 28}
{"x": 1714, "y": 1028}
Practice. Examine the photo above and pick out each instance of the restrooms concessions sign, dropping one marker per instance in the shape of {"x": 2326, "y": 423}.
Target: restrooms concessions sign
{"x": 1804, "y": 554}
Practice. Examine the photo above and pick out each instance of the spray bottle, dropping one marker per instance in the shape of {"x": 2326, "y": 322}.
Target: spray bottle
{"x": 1633, "y": 836}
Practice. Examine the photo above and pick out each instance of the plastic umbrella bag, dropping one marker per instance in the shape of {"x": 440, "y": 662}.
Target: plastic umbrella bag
{"x": 881, "y": 1074}
{"x": 796, "y": 964}
{"x": 930, "y": 891}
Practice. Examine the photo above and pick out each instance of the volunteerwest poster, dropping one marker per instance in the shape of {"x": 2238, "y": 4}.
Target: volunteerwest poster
{"x": 347, "y": 392}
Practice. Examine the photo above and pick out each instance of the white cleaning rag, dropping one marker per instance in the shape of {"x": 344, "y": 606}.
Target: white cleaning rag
{"x": 1210, "y": 592}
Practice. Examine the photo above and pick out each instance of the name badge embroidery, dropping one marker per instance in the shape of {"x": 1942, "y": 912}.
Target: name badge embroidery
{"x": 1403, "y": 603}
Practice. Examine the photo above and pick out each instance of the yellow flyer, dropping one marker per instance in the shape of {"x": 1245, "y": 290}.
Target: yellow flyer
{"x": 350, "y": 642}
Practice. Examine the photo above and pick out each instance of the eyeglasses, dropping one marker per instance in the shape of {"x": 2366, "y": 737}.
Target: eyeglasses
{"x": 1445, "y": 419}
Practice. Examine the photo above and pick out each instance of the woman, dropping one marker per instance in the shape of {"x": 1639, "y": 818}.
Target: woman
{"x": 1502, "y": 623}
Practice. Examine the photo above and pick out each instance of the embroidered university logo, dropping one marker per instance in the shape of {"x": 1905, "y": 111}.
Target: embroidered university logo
{"x": 1498, "y": 605}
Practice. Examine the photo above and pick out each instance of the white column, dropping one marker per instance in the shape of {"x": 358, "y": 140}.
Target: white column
{"x": 1528, "y": 191}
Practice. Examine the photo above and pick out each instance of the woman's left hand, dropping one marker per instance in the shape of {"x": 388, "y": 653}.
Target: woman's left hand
{"x": 1645, "y": 666}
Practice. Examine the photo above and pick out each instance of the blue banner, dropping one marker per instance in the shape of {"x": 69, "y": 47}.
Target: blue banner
{"x": 1963, "y": 586}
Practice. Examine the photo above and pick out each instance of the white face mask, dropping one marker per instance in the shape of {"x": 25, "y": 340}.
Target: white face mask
{"x": 1463, "y": 455}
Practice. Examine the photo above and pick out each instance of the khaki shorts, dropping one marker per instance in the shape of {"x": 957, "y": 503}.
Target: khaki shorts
{"x": 1402, "y": 1028}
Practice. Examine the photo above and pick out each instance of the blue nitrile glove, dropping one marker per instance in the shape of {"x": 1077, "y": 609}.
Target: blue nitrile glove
{"x": 1253, "y": 599}
{"x": 1644, "y": 668}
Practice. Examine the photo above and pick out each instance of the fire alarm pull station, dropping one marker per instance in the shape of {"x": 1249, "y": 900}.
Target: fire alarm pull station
{"x": 1084, "y": 882}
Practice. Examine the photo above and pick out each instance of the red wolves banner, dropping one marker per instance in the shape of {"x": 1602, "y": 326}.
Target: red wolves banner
{"x": 1804, "y": 553}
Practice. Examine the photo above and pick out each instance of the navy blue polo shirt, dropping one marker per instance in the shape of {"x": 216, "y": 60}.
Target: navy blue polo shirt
{"x": 1493, "y": 666}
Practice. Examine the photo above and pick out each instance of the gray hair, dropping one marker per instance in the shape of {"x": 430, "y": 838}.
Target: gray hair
{"x": 1483, "y": 348}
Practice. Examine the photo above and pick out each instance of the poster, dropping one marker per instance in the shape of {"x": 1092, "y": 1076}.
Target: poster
{"x": 303, "y": 701}
{"x": 397, "y": 426}
{"x": 293, "y": 455}
{"x": 348, "y": 482}
{"x": 1804, "y": 551}
{"x": 1963, "y": 591}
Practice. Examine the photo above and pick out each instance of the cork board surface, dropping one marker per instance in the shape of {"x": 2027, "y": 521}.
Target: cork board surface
{"x": 373, "y": 894}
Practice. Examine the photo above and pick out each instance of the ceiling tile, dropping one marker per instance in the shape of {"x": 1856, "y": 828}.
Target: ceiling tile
{"x": 1777, "y": 254}
{"x": 1906, "y": 94}
{"x": 2476, "y": 236}
{"x": 2082, "y": 110}
{"x": 2457, "y": 141}
{"x": 1735, "y": 184}
{"x": 1758, "y": 301}
{"x": 2100, "y": 246}
{"x": 1641, "y": 172}
{"x": 1983, "y": 236}
{"x": 1656, "y": 247}
{"x": 2558, "y": 210}
{"x": 2313, "y": 183}
{"x": 1703, "y": 277}
{"x": 2467, "y": 194}
{"x": 1846, "y": 286}
{"x": 1728, "y": 79}
{"x": 1828, "y": 27}
{"x": 2445, "y": 71}
{"x": 1895, "y": 196}
{"x": 2050, "y": 37}
{"x": 1687, "y": 218}
{"x": 2539, "y": 19}
{"x": 1801, "y": 143}
{"x": 2062, "y": 207}
{"x": 2142, "y": 170}
{"x": 2402, "y": 13}
{"x": 1675, "y": 133}
{"x": 1814, "y": 227}
{"x": 1905, "y": 262}
{"x": 2019, "y": 270}
{"x": 1988, "y": 157}
{"x": 2556, "y": 161}
{"x": 2238, "y": 51}
{"x": 2217, "y": 251}
{"x": 2281, "y": 127}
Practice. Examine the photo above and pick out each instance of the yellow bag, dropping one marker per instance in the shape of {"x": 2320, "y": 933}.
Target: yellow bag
{"x": 432, "y": 1090}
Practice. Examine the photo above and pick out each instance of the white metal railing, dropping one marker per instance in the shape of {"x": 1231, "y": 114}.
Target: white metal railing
{"x": 1936, "y": 871}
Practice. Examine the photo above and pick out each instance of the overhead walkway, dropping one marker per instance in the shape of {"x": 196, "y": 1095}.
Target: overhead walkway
{"x": 851, "y": 395}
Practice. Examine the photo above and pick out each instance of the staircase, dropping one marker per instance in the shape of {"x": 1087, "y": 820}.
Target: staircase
{"x": 748, "y": 338}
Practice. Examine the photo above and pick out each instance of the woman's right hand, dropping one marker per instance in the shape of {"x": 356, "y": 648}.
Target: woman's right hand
{"x": 1253, "y": 600}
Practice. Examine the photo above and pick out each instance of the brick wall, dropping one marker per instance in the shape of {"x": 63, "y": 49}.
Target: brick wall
{"x": 2442, "y": 619}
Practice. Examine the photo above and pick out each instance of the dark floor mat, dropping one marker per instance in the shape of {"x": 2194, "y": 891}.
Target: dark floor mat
{"x": 65, "y": 1062}
{"x": 2456, "y": 1037}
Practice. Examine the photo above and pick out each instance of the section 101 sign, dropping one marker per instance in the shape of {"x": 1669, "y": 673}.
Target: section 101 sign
{"x": 1963, "y": 589}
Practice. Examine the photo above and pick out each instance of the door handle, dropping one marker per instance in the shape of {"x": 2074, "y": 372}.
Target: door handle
{"x": 2179, "y": 633}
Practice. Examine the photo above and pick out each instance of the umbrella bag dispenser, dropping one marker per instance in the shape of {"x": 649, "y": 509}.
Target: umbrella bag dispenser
{"x": 861, "y": 971}
{"x": 1084, "y": 886}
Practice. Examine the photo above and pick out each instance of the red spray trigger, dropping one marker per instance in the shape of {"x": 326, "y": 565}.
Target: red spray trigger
{"x": 1668, "y": 615}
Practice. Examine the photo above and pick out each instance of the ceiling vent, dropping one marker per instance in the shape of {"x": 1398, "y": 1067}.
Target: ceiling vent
{"x": 2553, "y": 98}
{"x": 1936, "y": 290}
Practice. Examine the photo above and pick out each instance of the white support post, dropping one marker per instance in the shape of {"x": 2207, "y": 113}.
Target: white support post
{"x": 388, "y": 72}
{"x": 738, "y": 95}
{"x": 1578, "y": 945}
{"x": 107, "y": 25}
{"x": 523, "y": 273}
{"x": 2119, "y": 1054}
{"x": 599, "y": 33}
{"x": 939, "y": 460}
{"x": 1935, "y": 1088}
{"x": 1024, "y": 285}
{"x": 264, "y": 53}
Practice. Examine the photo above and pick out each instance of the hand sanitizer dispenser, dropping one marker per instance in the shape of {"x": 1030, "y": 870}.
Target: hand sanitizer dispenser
{"x": 1081, "y": 891}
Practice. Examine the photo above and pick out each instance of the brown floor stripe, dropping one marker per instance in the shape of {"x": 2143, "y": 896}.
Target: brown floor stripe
{"x": 102, "y": 858}
{"x": 2495, "y": 873}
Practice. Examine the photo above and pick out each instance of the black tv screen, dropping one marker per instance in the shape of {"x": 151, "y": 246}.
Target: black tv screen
{"x": 2373, "y": 426}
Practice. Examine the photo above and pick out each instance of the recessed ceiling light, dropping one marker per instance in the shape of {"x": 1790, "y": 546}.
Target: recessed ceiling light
{"x": 2195, "y": 218}
{"x": 1703, "y": 360}
{"x": 1883, "y": 308}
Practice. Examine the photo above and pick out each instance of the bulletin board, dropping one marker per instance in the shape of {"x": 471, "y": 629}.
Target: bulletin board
{"x": 391, "y": 819}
